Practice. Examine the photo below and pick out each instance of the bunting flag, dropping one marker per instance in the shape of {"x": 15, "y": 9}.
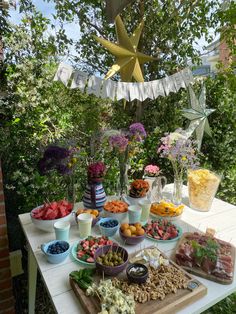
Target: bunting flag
{"x": 114, "y": 7}
{"x": 63, "y": 73}
{"x": 124, "y": 90}
{"x": 79, "y": 80}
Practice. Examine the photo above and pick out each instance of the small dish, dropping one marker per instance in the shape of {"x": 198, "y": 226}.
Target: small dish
{"x": 108, "y": 231}
{"x": 56, "y": 251}
{"x": 162, "y": 230}
{"x": 137, "y": 273}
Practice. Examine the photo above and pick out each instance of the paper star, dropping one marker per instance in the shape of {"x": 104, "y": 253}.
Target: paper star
{"x": 114, "y": 7}
{"x": 128, "y": 59}
{"x": 198, "y": 115}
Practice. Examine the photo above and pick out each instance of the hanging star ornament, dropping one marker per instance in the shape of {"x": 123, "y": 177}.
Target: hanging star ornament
{"x": 128, "y": 58}
{"x": 198, "y": 115}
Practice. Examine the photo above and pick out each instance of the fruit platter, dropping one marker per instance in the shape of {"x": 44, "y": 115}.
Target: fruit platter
{"x": 116, "y": 209}
{"x": 166, "y": 210}
{"x": 162, "y": 230}
{"x": 151, "y": 288}
{"x": 53, "y": 210}
{"x": 206, "y": 256}
{"x": 44, "y": 216}
{"x": 132, "y": 233}
{"x": 83, "y": 252}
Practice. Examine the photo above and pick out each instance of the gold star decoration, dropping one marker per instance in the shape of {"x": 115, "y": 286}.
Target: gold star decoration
{"x": 128, "y": 58}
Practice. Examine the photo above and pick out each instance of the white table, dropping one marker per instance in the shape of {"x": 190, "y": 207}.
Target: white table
{"x": 221, "y": 217}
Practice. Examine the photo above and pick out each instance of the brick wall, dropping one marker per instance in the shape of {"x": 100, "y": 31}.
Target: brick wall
{"x": 6, "y": 296}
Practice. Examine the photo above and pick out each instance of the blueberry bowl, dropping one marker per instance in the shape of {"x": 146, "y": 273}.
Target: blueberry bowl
{"x": 108, "y": 226}
{"x": 56, "y": 251}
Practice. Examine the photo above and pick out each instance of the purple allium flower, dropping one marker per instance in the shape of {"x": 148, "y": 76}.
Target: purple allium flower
{"x": 63, "y": 169}
{"x": 44, "y": 166}
{"x": 56, "y": 158}
{"x": 119, "y": 142}
{"x": 137, "y": 131}
{"x": 56, "y": 152}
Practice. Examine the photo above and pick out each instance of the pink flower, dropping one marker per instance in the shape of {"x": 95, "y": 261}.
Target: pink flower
{"x": 152, "y": 170}
{"x": 97, "y": 169}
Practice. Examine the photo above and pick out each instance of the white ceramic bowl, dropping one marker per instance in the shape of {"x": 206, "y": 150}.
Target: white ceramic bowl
{"x": 47, "y": 225}
{"x": 119, "y": 216}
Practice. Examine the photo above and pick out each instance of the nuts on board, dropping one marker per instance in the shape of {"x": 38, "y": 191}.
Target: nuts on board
{"x": 161, "y": 281}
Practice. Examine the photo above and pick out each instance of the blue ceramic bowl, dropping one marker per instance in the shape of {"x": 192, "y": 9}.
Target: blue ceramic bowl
{"x": 108, "y": 231}
{"x": 55, "y": 258}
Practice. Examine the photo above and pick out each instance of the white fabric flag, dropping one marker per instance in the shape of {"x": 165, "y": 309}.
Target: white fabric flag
{"x": 135, "y": 91}
{"x": 122, "y": 91}
{"x": 109, "y": 89}
{"x": 157, "y": 88}
{"x": 179, "y": 81}
{"x": 147, "y": 90}
{"x": 79, "y": 80}
{"x": 168, "y": 84}
{"x": 63, "y": 73}
{"x": 94, "y": 85}
{"x": 187, "y": 76}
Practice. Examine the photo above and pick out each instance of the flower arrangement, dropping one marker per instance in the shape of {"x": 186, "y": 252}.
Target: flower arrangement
{"x": 180, "y": 150}
{"x": 96, "y": 170}
{"x": 151, "y": 171}
{"x": 138, "y": 188}
{"x": 62, "y": 161}
{"x": 57, "y": 158}
{"x": 124, "y": 144}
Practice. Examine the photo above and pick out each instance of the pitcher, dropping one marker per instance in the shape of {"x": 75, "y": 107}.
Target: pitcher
{"x": 157, "y": 188}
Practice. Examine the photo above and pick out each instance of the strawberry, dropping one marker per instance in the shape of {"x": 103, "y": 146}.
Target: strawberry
{"x": 166, "y": 236}
{"x": 90, "y": 260}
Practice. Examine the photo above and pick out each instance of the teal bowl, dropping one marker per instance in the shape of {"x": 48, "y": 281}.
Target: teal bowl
{"x": 58, "y": 257}
{"x": 108, "y": 231}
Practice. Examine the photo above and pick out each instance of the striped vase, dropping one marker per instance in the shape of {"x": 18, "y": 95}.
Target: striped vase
{"x": 94, "y": 195}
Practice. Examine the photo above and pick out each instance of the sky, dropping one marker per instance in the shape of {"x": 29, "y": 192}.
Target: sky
{"x": 72, "y": 29}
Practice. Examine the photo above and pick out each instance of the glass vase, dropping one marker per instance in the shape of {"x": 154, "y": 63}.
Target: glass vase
{"x": 202, "y": 187}
{"x": 123, "y": 183}
{"x": 177, "y": 193}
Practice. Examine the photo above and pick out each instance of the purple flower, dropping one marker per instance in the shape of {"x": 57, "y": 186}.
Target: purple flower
{"x": 56, "y": 152}
{"x": 56, "y": 158}
{"x": 119, "y": 142}
{"x": 137, "y": 131}
{"x": 63, "y": 169}
{"x": 179, "y": 150}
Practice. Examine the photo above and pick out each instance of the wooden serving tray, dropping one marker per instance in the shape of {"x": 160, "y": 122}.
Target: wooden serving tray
{"x": 199, "y": 272}
{"x": 172, "y": 303}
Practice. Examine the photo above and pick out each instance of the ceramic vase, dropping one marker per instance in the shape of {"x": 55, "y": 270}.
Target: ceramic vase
{"x": 94, "y": 195}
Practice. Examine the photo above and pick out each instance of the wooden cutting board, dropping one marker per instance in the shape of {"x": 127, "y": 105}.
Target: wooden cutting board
{"x": 199, "y": 272}
{"x": 171, "y": 304}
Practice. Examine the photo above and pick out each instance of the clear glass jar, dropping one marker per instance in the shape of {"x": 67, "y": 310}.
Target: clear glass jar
{"x": 202, "y": 187}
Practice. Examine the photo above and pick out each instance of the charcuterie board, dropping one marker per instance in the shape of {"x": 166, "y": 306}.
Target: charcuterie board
{"x": 172, "y": 302}
{"x": 226, "y": 258}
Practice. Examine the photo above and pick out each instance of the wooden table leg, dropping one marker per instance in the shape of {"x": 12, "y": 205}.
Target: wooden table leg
{"x": 32, "y": 281}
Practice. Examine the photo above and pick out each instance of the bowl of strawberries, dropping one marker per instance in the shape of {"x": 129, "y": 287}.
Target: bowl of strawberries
{"x": 44, "y": 216}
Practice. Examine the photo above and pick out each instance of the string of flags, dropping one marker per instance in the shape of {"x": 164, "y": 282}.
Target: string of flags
{"x": 123, "y": 90}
